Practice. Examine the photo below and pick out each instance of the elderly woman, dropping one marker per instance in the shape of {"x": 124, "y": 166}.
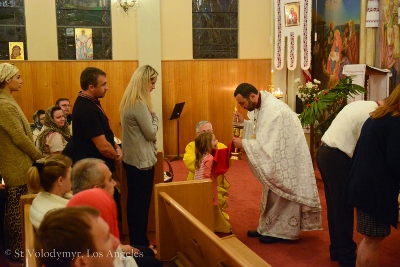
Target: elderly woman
{"x": 55, "y": 133}
{"x": 18, "y": 153}
{"x": 51, "y": 179}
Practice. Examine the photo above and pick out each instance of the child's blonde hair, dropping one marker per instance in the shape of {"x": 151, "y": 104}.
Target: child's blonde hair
{"x": 202, "y": 147}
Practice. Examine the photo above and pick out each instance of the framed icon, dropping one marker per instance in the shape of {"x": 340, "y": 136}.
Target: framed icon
{"x": 84, "y": 43}
{"x": 16, "y": 50}
{"x": 292, "y": 14}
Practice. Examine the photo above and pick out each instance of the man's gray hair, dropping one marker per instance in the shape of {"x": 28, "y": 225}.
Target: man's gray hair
{"x": 201, "y": 123}
{"x": 86, "y": 174}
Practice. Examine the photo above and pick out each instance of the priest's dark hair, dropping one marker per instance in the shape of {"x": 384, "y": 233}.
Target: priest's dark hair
{"x": 245, "y": 90}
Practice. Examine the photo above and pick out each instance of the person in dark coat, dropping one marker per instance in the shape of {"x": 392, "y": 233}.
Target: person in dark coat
{"x": 373, "y": 183}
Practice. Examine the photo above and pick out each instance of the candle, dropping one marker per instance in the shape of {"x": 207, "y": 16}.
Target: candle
{"x": 277, "y": 93}
{"x": 272, "y": 76}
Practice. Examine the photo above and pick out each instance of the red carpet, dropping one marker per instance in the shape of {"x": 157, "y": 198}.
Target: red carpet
{"x": 313, "y": 247}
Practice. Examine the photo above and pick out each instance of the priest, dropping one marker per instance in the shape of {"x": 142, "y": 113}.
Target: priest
{"x": 278, "y": 156}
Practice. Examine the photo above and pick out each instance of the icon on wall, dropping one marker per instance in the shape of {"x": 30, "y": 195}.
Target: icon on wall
{"x": 84, "y": 43}
{"x": 16, "y": 50}
{"x": 292, "y": 14}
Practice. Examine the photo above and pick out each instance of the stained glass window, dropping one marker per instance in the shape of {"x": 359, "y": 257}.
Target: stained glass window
{"x": 12, "y": 26}
{"x": 84, "y": 14}
{"x": 215, "y": 28}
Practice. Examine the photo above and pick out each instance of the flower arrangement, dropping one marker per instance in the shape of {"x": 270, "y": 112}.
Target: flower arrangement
{"x": 316, "y": 100}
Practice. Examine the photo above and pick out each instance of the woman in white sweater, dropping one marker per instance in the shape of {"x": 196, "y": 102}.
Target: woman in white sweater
{"x": 51, "y": 179}
{"x": 139, "y": 128}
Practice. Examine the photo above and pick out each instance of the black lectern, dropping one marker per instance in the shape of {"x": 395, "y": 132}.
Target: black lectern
{"x": 176, "y": 114}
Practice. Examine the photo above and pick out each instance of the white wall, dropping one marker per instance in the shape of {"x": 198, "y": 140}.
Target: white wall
{"x": 41, "y": 30}
{"x": 255, "y": 29}
{"x": 176, "y": 29}
{"x": 149, "y": 48}
{"x": 124, "y": 32}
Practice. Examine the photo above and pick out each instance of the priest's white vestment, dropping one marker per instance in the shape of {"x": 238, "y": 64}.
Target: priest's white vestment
{"x": 279, "y": 157}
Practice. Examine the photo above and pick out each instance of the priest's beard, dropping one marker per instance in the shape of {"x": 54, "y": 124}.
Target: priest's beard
{"x": 252, "y": 106}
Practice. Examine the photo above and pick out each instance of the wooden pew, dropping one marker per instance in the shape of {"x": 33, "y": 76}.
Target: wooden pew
{"x": 184, "y": 223}
{"x": 28, "y": 232}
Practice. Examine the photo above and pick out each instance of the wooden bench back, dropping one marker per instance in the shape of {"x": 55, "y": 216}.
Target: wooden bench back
{"x": 28, "y": 232}
{"x": 192, "y": 196}
{"x": 198, "y": 245}
{"x": 185, "y": 223}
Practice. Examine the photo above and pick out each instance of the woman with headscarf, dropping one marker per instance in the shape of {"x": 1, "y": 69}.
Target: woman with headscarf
{"x": 18, "y": 154}
{"x": 101, "y": 200}
{"x": 55, "y": 134}
{"x": 38, "y": 122}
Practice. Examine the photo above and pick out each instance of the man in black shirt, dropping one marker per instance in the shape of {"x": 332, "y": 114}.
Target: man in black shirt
{"x": 92, "y": 135}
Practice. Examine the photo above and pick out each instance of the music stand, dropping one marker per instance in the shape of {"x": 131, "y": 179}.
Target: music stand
{"x": 176, "y": 114}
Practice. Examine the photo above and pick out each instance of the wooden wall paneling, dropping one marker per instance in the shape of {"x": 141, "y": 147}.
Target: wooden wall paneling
{"x": 46, "y": 81}
{"x": 118, "y": 78}
{"x": 170, "y": 83}
{"x": 207, "y": 87}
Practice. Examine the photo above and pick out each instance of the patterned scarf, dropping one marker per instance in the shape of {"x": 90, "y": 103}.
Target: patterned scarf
{"x": 51, "y": 126}
{"x": 36, "y": 122}
{"x": 7, "y": 71}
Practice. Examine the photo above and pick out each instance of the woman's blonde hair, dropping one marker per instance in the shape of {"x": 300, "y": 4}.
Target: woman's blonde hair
{"x": 45, "y": 172}
{"x": 391, "y": 105}
{"x": 138, "y": 88}
{"x": 202, "y": 147}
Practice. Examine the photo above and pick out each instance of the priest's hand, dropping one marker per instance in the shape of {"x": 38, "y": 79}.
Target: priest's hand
{"x": 237, "y": 142}
{"x": 237, "y": 117}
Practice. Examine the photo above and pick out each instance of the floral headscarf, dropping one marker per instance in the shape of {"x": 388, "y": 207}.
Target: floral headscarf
{"x": 36, "y": 120}
{"x": 51, "y": 126}
{"x": 7, "y": 71}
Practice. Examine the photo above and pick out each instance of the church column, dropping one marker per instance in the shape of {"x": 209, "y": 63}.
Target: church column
{"x": 149, "y": 52}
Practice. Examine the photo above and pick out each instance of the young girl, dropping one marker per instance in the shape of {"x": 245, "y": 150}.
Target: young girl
{"x": 205, "y": 143}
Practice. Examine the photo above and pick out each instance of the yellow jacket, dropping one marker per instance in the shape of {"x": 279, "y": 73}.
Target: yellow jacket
{"x": 190, "y": 157}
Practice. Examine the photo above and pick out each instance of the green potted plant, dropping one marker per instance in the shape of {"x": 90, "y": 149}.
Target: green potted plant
{"x": 320, "y": 106}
